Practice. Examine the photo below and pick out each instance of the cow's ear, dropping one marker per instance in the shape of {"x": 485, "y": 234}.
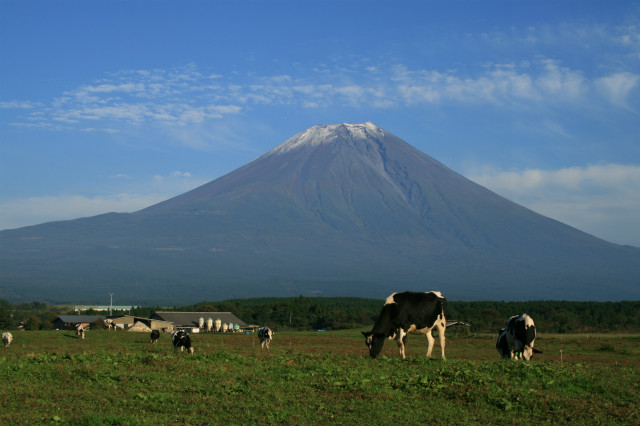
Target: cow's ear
{"x": 366, "y": 333}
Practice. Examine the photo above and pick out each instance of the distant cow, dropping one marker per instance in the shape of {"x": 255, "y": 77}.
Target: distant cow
{"x": 155, "y": 335}
{"x": 265, "y": 335}
{"x": 181, "y": 339}
{"x": 7, "y": 338}
{"x": 108, "y": 323}
{"x": 517, "y": 339}
{"x": 408, "y": 312}
{"x": 80, "y": 331}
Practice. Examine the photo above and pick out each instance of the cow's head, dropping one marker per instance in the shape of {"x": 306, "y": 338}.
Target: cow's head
{"x": 374, "y": 342}
{"x": 502, "y": 345}
{"x": 527, "y": 353}
{"x": 191, "y": 350}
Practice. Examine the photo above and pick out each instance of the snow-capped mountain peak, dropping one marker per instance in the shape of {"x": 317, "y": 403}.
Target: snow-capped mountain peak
{"x": 325, "y": 134}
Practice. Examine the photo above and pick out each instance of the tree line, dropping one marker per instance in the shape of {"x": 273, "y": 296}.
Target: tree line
{"x": 334, "y": 313}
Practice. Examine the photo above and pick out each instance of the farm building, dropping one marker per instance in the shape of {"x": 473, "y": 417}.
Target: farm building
{"x": 205, "y": 321}
{"x": 131, "y": 323}
{"x": 69, "y": 322}
{"x": 102, "y": 308}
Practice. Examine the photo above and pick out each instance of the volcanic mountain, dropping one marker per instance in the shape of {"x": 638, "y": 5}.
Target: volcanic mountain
{"x": 346, "y": 209}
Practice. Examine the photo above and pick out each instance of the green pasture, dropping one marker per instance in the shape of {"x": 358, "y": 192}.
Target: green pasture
{"x": 314, "y": 378}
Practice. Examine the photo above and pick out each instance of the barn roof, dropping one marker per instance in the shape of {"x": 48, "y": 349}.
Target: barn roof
{"x": 130, "y": 319}
{"x": 190, "y": 319}
{"x": 80, "y": 318}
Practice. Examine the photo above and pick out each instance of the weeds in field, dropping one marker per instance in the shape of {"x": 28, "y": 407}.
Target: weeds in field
{"x": 309, "y": 379}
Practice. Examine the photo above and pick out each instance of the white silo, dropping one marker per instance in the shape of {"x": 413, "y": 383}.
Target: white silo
{"x": 218, "y": 324}
{"x": 209, "y": 324}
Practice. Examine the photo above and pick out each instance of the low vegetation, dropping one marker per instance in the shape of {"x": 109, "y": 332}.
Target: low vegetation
{"x": 314, "y": 378}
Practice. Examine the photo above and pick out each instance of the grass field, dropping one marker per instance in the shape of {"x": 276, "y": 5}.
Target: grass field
{"x": 312, "y": 378}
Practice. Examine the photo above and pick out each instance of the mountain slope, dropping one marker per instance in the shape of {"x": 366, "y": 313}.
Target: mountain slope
{"x": 345, "y": 209}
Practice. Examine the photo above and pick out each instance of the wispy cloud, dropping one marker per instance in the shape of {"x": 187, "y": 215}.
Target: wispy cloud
{"x": 19, "y": 105}
{"x": 604, "y": 199}
{"x": 185, "y": 96}
{"x": 499, "y": 84}
{"x": 618, "y": 87}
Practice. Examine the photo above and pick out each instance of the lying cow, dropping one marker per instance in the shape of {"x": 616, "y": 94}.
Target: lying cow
{"x": 517, "y": 339}
{"x": 7, "y": 338}
{"x": 265, "y": 335}
{"x": 181, "y": 339}
{"x": 155, "y": 335}
{"x": 408, "y": 312}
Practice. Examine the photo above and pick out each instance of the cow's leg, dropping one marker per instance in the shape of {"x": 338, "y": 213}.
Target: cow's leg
{"x": 442, "y": 327}
{"x": 431, "y": 340}
{"x": 401, "y": 337}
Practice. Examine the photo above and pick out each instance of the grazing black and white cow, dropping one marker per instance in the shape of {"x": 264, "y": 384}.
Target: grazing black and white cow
{"x": 408, "y": 312}
{"x": 7, "y": 338}
{"x": 265, "y": 335}
{"x": 517, "y": 339}
{"x": 181, "y": 339}
{"x": 80, "y": 331}
{"x": 108, "y": 323}
{"x": 155, "y": 335}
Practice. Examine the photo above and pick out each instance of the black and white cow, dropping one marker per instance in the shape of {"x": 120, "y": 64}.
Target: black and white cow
{"x": 80, "y": 331}
{"x": 517, "y": 339}
{"x": 108, "y": 323}
{"x": 155, "y": 335}
{"x": 265, "y": 335}
{"x": 408, "y": 312}
{"x": 7, "y": 338}
{"x": 181, "y": 339}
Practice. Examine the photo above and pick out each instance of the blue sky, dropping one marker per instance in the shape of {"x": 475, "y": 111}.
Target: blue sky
{"x": 116, "y": 105}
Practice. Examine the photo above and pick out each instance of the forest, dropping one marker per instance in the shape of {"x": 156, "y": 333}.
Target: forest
{"x": 333, "y": 313}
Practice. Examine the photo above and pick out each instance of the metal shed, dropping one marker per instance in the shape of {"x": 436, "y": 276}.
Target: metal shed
{"x": 69, "y": 322}
{"x": 131, "y": 323}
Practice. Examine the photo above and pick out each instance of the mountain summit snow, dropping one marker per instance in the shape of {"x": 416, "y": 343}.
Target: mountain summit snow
{"x": 343, "y": 209}
{"x": 324, "y": 134}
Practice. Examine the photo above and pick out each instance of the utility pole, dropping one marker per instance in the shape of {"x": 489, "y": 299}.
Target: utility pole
{"x": 110, "y": 303}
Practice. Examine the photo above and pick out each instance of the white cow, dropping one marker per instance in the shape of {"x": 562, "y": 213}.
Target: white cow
{"x": 108, "y": 323}
{"x": 7, "y": 338}
{"x": 80, "y": 331}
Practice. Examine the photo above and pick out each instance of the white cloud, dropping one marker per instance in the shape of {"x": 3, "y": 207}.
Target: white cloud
{"x": 603, "y": 200}
{"x": 184, "y": 96}
{"x": 19, "y": 105}
{"x": 498, "y": 84}
{"x": 618, "y": 87}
